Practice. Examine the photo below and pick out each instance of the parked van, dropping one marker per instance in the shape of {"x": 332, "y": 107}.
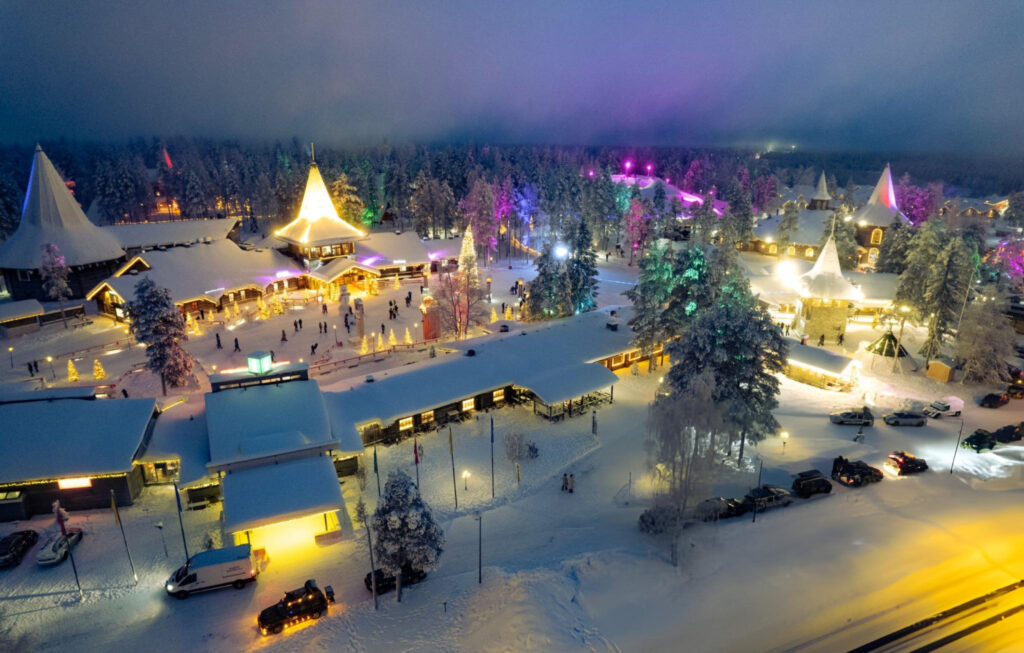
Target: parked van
{"x": 233, "y": 565}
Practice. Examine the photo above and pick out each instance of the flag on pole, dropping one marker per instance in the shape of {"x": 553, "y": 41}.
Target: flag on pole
{"x": 492, "y": 429}
{"x": 415, "y": 452}
{"x": 113, "y": 506}
{"x": 451, "y": 447}
{"x": 177, "y": 497}
{"x": 375, "y": 460}
{"x": 61, "y": 516}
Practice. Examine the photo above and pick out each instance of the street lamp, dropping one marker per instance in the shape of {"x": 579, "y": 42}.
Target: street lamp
{"x": 335, "y": 335}
{"x": 649, "y": 167}
{"x": 465, "y": 479}
{"x": 629, "y": 165}
{"x": 561, "y": 252}
{"x": 10, "y": 350}
{"x": 53, "y": 374}
{"x": 899, "y": 341}
{"x": 785, "y": 436}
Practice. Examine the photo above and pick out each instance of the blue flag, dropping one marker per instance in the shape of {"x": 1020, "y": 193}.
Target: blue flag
{"x": 375, "y": 460}
{"x": 177, "y": 497}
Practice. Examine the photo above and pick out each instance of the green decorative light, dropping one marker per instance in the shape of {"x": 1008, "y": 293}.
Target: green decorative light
{"x": 259, "y": 362}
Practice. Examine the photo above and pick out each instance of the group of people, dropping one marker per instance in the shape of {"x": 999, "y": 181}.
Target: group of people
{"x": 393, "y": 308}
{"x": 568, "y": 483}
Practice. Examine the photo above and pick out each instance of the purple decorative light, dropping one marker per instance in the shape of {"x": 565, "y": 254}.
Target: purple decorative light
{"x": 590, "y": 173}
{"x": 629, "y": 165}
{"x": 649, "y": 167}
{"x": 370, "y": 260}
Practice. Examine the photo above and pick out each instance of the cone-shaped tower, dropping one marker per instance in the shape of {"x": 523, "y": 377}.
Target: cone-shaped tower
{"x": 318, "y": 232}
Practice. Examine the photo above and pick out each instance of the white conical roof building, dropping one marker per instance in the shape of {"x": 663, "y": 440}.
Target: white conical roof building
{"x": 318, "y": 223}
{"x": 821, "y": 193}
{"x": 825, "y": 279}
{"x": 52, "y": 215}
{"x": 881, "y": 209}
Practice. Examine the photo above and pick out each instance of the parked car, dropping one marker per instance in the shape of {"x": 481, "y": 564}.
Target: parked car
{"x": 721, "y": 508}
{"x": 386, "y": 582}
{"x": 855, "y": 416}
{"x": 994, "y": 400}
{"x": 15, "y": 545}
{"x": 980, "y": 440}
{"x": 1009, "y": 433}
{"x": 854, "y": 473}
{"x": 811, "y": 482}
{"x": 945, "y": 407}
{"x": 56, "y": 548}
{"x": 905, "y": 418}
{"x": 234, "y": 565}
{"x": 1015, "y": 391}
{"x": 767, "y": 496}
{"x": 903, "y": 463}
{"x": 303, "y": 604}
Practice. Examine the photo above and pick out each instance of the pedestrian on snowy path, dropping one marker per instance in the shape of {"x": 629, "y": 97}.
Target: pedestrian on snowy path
{"x": 237, "y": 348}
{"x": 565, "y": 482}
{"x": 219, "y": 346}
{"x": 572, "y": 483}
{"x": 30, "y": 372}
{"x": 840, "y": 339}
{"x": 295, "y": 325}
{"x": 821, "y": 340}
{"x": 35, "y": 365}
{"x": 312, "y": 350}
{"x": 300, "y": 324}
{"x": 381, "y": 328}
{"x": 324, "y": 311}
{"x": 284, "y": 336}
{"x": 273, "y": 358}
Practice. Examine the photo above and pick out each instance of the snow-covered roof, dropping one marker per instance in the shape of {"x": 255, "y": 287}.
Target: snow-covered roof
{"x": 648, "y": 184}
{"x": 165, "y": 234}
{"x": 555, "y": 362}
{"x": 880, "y": 210}
{"x": 19, "y": 310}
{"x": 388, "y": 248}
{"x": 180, "y": 432}
{"x": 52, "y": 215}
{"x": 203, "y": 271}
{"x": 818, "y": 358}
{"x": 259, "y": 421}
{"x": 825, "y": 279}
{"x": 318, "y": 222}
{"x": 66, "y": 438}
{"x": 264, "y": 495}
{"x": 821, "y": 192}
{"x": 339, "y": 266}
{"x": 11, "y": 393}
{"x": 809, "y": 228}
{"x": 875, "y": 286}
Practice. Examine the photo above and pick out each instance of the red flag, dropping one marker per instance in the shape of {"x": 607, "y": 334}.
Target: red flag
{"x": 167, "y": 160}
{"x": 415, "y": 452}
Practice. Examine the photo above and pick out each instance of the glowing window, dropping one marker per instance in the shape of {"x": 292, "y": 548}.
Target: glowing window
{"x": 809, "y": 252}
{"x": 791, "y": 250}
{"x": 468, "y": 404}
{"x": 405, "y": 424}
{"x": 619, "y": 358}
{"x": 873, "y": 255}
{"x": 876, "y": 236}
{"x": 427, "y": 417}
{"x": 773, "y": 249}
{"x": 71, "y": 483}
{"x": 634, "y": 355}
{"x": 499, "y": 395}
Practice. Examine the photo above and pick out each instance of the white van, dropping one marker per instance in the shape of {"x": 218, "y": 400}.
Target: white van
{"x": 234, "y": 565}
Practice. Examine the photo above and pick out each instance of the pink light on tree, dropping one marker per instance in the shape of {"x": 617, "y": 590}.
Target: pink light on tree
{"x": 629, "y": 166}
{"x": 649, "y": 167}
{"x": 590, "y": 173}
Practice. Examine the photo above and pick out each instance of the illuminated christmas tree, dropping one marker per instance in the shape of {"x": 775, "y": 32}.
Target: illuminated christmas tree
{"x": 397, "y": 284}
{"x": 380, "y": 342}
{"x": 72, "y": 372}
{"x": 238, "y": 313}
{"x": 467, "y": 258}
{"x": 494, "y": 315}
{"x": 508, "y": 312}
{"x": 408, "y": 338}
{"x": 392, "y": 341}
{"x": 264, "y": 312}
{"x": 364, "y": 348}
{"x": 98, "y": 373}
{"x": 277, "y": 305}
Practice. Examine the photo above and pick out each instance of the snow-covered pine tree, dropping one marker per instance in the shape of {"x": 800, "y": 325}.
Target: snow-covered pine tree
{"x": 704, "y": 224}
{"x": 55, "y": 277}
{"x": 741, "y": 212}
{"x": 547, "y": 297}
{"x": 690, "y": 291}
{"x": 650, "y": 296}
{"x": 739, "y": 343}
{"x": 477, "y": 208}
{"x": 346, "y": 201}
{"x": 406, "y": 534}
{"x": 788, "y": 225}
{"x": 925, "y": 248}
{"x": 985, "y": 340}
{"x": 944, "y": 291}
{"x": 581, "y": 270}
{"x": 637, "y": 227}
{"x": 158, "y": 323}
{"x": 846, "y": 240}
{"x": 895, "y": 248}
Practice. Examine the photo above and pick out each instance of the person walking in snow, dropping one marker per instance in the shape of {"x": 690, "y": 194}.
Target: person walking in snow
{"x": 840, "y": 339}
{"x": 381, "y": 328}
{"x": 572, "y": 483}
{"x": 30, "y": 372}
{"x": 324, "y": 311}
{"x": 300, "y": 324}
{"x": 565, "y": 482}
{"x": 295, "y": 325}
{"x": 273, "y": 358}
{"x": 312, "y": 350}
{"x": 284, "y": 336}
{"x": 35, "y": 365}
{"x": 821, "y": 340}
{"x": 219, "y": 346}
{"x": 237, "y": 348}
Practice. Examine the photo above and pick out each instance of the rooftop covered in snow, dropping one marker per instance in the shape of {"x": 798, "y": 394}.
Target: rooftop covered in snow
{"x": 825, "y": 279}
{"x": 880, "y": 209}
{"x": 65, "y": 438}
{"x": 142, "y": 235}
{"x": 318, "y": 222}
{"x": 818, "y": 358}
{"x": 180, "y": 432}
{"x": 19, "y": 310}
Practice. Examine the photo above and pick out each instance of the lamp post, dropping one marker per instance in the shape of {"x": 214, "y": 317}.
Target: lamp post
{"x": 957, "y": 447}
{"x": 629, "y": 165}
{"x": 899, "y": 340}
{"x": 785, "y": 436}
{"x": 10, "y": 350}
{"x": 53, "y": 374}
{"x": 465, "y": 479}
{"x": 335, "y": 335}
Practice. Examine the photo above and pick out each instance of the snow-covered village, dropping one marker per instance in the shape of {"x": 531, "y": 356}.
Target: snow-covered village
{"x": 529, "y": 327}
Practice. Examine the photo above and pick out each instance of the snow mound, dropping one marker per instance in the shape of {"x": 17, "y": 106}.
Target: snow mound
{"x": 999, "y": 470}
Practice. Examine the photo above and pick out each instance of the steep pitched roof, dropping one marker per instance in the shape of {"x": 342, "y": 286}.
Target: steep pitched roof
{"x": 51, "y": 215}
{"x": 821, "y": 193}
{"x": 318, "y": 222}
{"x": 881, "y": 208}
{"x": 825, "y": 279}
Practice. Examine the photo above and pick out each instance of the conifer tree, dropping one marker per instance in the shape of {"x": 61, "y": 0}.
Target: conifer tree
{"x": 895, "y": 248}
{"x": 98, "y": 373}
{"x": 650, "y": 296}
{"x": 72, "y": 372}
{"x": 405, "y": 530}
{"x": 925, "y": 248}
{"x": 467, "y": 258}
{"x": 845, "y": 235}
{"x": 547, "y": 297}
{"x": 158, "y": 323}
{"x": 789, "y": 223}
{"x": 392, "y": 341}
{"x": 54, "y": 273}
{"x": 581, "y": 270}
{"x": 944, "y": 291}
{"x": 985, "y": 340}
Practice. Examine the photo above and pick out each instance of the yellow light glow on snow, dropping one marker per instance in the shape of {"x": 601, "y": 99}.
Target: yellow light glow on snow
{"x": 72, "y": 483}
{"x": 288, "y": 537}
{"x": 787, "y": 272}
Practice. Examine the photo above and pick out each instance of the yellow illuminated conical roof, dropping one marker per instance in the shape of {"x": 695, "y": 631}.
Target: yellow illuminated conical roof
{"x": 317, "y": 223}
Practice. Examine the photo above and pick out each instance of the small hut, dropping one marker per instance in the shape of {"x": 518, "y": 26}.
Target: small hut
{"x": 886, "y": 345}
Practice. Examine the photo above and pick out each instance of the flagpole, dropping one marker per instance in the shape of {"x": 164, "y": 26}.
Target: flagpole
{"x": 117, "y": 518}
{"x": 451, "y": 450}
{"x": 376, "y": 472}
{"x": 492, "y": 456}
{"x": 416, "y": 460}
{"x": 181, "y": 523}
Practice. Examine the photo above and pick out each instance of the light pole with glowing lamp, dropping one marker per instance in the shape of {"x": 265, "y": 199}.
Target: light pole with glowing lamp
{"x": 53, "y": 374}
{"x": 785, "y": 436}
{"x": 629, "y": 166}
{"x": 465, "y": 479}
{"x": 10, "y": 350}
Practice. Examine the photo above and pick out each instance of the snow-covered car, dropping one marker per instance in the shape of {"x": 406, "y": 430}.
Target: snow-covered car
{"x": 721, "y": 508}
{"x": 386, "y": 582}
{"x": 854, "y": 473}
{"x": 15, "y": 545}
{"x": 56, "y": 548}
{"x": 299, "y": 605}
{"x": 1015, "y": 391}
{"x": 945, "y": 407}
{"x": 905, "y": 418}
{"x": 767, "y": 496}
{"x": 994, "y": 400}
{"x": 810, "y": 483}
{"x": 980, "y": 440}
{"x": 902, "y": 463}
{"x": 854, "y": 416}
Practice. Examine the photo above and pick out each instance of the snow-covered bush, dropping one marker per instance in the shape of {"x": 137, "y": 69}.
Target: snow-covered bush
{"x": 658, "y": 520}
{"x": 518, "y": 448}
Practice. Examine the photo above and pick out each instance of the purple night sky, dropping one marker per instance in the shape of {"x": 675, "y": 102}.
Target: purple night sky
{"x": 928, "y": 75}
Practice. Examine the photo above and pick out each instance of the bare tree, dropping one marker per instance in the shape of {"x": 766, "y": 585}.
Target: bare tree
{"x": 461, "y": 303}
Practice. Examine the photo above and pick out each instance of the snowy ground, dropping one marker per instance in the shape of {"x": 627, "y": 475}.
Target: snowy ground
{"x": 571, "y": 572}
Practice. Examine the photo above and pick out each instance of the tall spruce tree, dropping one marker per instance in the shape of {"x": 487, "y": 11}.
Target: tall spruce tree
{"x": 405, "y": 530}
{"x": 896, "y": 245}
{"x": 691, "y": 290}
{"x": 650, "y": 296}
{"x": 789, "y": 224}
{"x": 846, "y": 240}
{"x": 547, "y": 298}
{"x": 944, "y": 291}
{"x": 581, "y": 270}
{"x": 925, "y": 248}
{"x": 985, "y": 340}
{"x": 55, "y": 277}
{"x": 158, "y": 323}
